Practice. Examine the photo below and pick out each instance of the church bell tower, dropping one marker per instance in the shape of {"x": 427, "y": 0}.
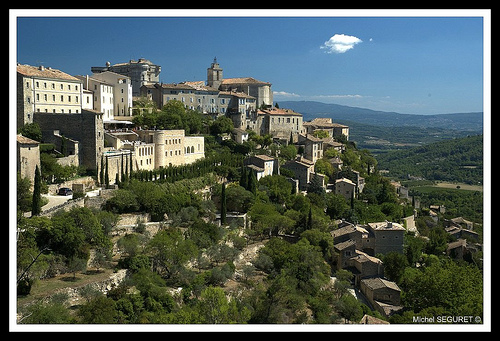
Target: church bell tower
{"x": 214, "y": 75}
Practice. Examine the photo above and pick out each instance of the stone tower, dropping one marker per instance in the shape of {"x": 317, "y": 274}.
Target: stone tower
{"x": 214, "y": 75}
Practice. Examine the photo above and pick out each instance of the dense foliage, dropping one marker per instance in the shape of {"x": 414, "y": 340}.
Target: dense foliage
{"x": 190, "y": 270}
{"x": 459, "y": 160}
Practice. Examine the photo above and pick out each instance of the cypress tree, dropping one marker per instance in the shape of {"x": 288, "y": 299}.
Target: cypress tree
{"x": 244, "y": 178}
{"x": 223, "y": 205}
{"x": 101, "y": 172}
{"x": 130, "y": 164}
{"x": 252, "y": 182}
{"x": 36, "y": 204}
{"x": 122, "y": 170}
{"x": 106, "y": 174}
{"x": 309, "y": 219}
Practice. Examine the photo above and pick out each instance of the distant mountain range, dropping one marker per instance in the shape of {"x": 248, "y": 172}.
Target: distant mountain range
{"x": 471, "y": 121}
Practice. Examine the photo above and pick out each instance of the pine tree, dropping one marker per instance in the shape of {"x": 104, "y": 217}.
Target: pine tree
{"x": 36, "y": 204}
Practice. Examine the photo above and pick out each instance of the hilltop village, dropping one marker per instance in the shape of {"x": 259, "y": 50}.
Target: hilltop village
{"x": 121, "y": 123}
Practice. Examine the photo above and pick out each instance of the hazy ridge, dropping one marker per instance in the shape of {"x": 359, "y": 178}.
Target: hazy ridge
{"x": 469, "y": 121}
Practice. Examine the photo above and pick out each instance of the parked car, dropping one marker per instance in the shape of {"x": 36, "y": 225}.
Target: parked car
{"x": 65, "y": 191}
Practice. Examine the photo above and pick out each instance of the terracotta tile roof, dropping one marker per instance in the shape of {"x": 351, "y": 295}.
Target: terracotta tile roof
{"x": 25, "y": 140}
{"x": 44, "y": 72}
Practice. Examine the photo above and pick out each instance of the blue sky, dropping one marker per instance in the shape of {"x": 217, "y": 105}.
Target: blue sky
{"x": 419, "y": 64}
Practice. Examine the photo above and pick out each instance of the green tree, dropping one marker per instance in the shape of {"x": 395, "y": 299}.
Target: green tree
{"x": 24, "y": 195}
{"x": 457, "y": 288}
{"x": 106, "y": 174}
{"x": 221, "y": 125}
{"x": 349, "y": 308}
{"x": 215, "y": 308}
{"x": 394, "y": 265}
{"x": 43, "y": 312}
{"x": 169, "y": 251}
{"x": 36, "y": 203}
{"x": 101, "y": 171}
{"x": 100, "y": 310}
{"x": 252, "y": 182}
{"x": 223, "y": 205}
{"x": 336, "y": 205}
{"x": 32, "y": 131}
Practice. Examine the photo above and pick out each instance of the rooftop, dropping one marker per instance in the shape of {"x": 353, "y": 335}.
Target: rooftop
{"x": 44, "y": 72}
{"x": 240, "y": 80}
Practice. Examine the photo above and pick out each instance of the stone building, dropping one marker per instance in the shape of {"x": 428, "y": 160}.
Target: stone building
{"x": 313, "y": 147}
{"x": 122, "y": 93}
{"x": 153, "y": 149}
{"x": 259, "y": 90}
{"x": 372, "y": 238}
{"x": 28, "y": 157}
{"x": 280, "y": 123}
{"x": 194, "y": 95}
{"x": 141, "y": 72}
{"x": 86, "y": 128}
{"x": 261, "y": 165}
{"x": 303, "y": 171}
{"x": 43, "y": 90}
{"x": 346, "y": 188}
{"x": 326, "y": 124}
{"x": 388, "y": 236}
{"x": 383, "y": 295}
{"x": 102, "y": 96}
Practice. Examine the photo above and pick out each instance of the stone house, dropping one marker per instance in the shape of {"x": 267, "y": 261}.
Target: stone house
{"x": 302, "y": 169}
{"x": 261, "y": 165}
{"x": 279, "y": 123}
{"x": 346, "y": 250}
{"x": 388, "y": 236}
{"x": 364, "y": 266}
{"x": 383, "y": 295}
{"x": 346, "y": 188}
{"x": 372, "y": 238}
{"x": 326, "y": 124}
{"x": 313, "y": 147}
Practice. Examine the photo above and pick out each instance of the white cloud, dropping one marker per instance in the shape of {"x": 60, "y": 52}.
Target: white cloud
{"x": 340, "y": 43}
{"x": 285, "y": 94}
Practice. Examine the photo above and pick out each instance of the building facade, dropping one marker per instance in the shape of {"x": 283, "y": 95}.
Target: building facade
{"x": 43, "y": 90}
{"x": 280, "y": 123}
{"x": 86, "y": 127}
{"x": 28, "y": 157}
{"x": 153, "y": 149}
{"x": 102, "y": 96}
{"x": 122, "y": 93}
{"x": 141, "y": 72}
